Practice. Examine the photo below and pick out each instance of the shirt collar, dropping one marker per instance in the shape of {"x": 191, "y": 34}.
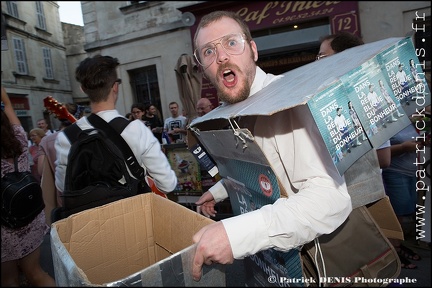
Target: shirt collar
{"x": 262, "y": 79}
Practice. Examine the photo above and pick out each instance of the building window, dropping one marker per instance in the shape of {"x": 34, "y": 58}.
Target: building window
{"x": 48, "y": 63}
{"x": 20, "y": 56}
{"x": 40, "y": 15}
{"x": 12, "y": 8}
{"x": 145, "y": 85}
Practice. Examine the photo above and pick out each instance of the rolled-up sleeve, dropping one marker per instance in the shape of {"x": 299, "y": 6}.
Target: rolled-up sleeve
{"x": 218, "y": 191}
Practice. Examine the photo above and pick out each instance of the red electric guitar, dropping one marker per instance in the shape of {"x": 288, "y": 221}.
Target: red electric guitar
{"x": 61, "y": 112}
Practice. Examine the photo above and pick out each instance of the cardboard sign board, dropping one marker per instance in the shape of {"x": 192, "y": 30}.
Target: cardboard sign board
{"x": 140, "y": 241}
{"x": 332, "y": 82}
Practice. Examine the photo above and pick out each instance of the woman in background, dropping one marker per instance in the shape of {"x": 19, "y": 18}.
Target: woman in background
{"x": 153, "y": 121}
{"x": 36, "y": 136}
{"x": 20, "y": 248}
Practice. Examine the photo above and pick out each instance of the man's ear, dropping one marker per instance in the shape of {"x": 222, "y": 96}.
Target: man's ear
{"x": 254, "y": 50}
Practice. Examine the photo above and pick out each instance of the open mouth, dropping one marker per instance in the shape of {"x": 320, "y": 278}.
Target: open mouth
{"x": 229, "y": 77}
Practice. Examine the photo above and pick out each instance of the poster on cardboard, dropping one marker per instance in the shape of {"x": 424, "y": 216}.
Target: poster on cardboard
{"x": 377, "y": 108}
{"x": 405, "y": 76}
{"x": 259, "y": 188}
{"x": 339, "y": 125}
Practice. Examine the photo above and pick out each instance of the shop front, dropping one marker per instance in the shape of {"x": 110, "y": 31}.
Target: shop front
{"x": 287, "y": 33}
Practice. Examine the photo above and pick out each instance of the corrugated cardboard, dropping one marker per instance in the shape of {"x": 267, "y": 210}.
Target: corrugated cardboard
{"x": 145, "y": 240}
{"x": 384, "y": 215}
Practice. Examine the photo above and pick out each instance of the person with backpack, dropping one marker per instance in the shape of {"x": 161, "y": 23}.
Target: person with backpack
{"x": 20, "y": 247}
{"x": 76, "y": 169}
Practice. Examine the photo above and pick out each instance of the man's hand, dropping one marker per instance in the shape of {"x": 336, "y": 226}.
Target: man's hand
{"x": 205, "y": 205}
{"x": 213, "y": 247}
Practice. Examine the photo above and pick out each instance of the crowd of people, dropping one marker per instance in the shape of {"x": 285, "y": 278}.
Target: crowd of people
{"x": 318, "y": 201}
{"x": 175, "y": 125}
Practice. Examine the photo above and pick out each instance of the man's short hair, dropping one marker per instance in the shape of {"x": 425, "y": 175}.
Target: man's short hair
{"x": 343, "y": 40}
{"x": 97, "y": 75}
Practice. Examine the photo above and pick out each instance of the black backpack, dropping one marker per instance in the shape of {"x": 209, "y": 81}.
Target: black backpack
{"x": 22, "y": 198}
{"x": 96, "y": 172}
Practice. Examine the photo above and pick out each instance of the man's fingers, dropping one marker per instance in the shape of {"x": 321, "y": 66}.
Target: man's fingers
{"x": 197, "y": 266}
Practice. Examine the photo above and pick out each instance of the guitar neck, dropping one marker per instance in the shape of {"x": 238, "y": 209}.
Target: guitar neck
{"x": 58, "y": 109}
{"x": 71, "y": 118}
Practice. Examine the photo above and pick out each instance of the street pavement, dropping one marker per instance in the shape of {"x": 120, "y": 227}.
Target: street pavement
{"x": 421, "y": 276}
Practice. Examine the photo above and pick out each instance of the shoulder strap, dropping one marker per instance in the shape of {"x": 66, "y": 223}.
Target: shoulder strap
{"x": 113, "y": 130}
{"x": 72, "y": 132}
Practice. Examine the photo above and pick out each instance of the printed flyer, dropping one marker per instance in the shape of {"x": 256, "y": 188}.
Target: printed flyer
{"x": 404, "y": 75}
{"x": 341, "y": 129}
{"x": 377, "y": 108}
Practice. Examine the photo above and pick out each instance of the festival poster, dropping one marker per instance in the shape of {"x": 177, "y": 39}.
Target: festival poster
{"x": 404, "y": 75}
{"x": 376, "y": 106}
{"x": 257, "y": 186}
{"x": 187, "y": 170}
{"x": 340, "y": 128}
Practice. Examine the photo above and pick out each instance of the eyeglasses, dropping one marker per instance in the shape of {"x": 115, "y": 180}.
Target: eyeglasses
{"x": 202, "y": 108}
{"x": 233, "y": 44}
{"x": 320, "y": 56}
{"x": 119, "y": 81}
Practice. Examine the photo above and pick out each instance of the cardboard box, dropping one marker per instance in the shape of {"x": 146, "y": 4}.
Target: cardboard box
{"x": 384, "y": 215}
{"x": 145, "y": 240}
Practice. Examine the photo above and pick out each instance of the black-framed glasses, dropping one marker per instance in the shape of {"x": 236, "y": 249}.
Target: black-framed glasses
{"x": 119, "y": 81}
{"x": 233, "y": 44}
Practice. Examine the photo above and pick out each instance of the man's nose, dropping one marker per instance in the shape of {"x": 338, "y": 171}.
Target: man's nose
{"x": 221, "y": 54}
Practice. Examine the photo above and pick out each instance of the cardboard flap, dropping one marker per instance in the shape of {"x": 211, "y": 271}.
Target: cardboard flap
{"x": 385, "y": 217}
{"x": 119, "y": 240}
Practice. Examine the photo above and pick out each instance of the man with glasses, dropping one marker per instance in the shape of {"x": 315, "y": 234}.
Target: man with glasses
{"x": 98, "y": 78}
{"x": 318, "y": 199}
{"x": 203, "y": 106}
